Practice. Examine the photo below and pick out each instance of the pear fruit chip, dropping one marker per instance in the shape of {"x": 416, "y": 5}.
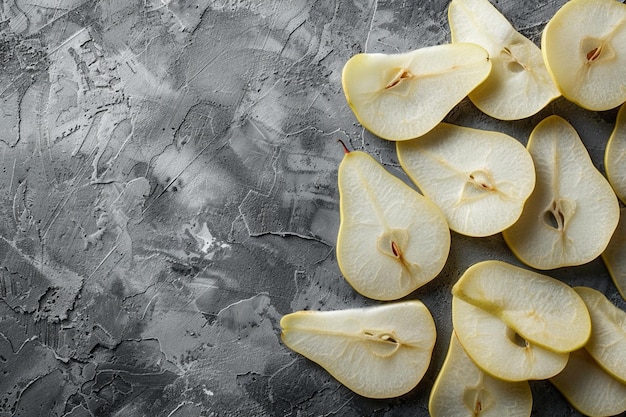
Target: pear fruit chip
{"x": 572, "y": 213}
{"x": 391, "y": 238}
{"x": 402, "y": 96}
{"x": 479, "y": 179}
{"x": 615, "y": 156}
{"x": 378, "y": 352}
{"x": 614, "y": 256}
{"x": 584, "y": 48}
{"x": 464, "y": 390}
{"x": 519, "y": 84}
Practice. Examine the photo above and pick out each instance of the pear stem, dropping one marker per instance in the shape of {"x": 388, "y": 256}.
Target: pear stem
{"x": 345, "y": 148}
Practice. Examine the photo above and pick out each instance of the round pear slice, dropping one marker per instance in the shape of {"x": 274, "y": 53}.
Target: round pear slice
{"x": 584, "y": 48}
{"x": 614, "y": 256}
{"x": 377, "y": 352}
{"x": 464, "y": 390}
{"x": 570, "y": 216}
{"x": 479, "y": 179}
{"x": 519, "y": 84}
{"x": 540, "y": 309}
{"x": 403, "y": 96}
{"x": 615, "y": 156}
{"x": 588, "y": 388}
{"x": 391, "y": 238}
{"x": 498, "y": 350}
{"x": 607, "y": 344}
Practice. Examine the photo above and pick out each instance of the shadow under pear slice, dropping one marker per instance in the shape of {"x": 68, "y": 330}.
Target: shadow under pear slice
{"x": 615, "y": 156}
{"x": 614, "y": 256}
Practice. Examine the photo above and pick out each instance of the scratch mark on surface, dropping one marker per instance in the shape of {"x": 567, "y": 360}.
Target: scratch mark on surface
{"x": 369, "y": 32}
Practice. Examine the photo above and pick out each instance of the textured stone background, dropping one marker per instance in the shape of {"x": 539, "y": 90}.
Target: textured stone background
{"x": 168, "y": 192}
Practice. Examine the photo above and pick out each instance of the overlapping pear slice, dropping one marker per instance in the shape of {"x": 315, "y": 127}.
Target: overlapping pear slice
{"x": 542, "y": 310}
{"x": 572, "y": 213}
{"x": 615, "y": 156}
{"x": 464, "y": 390}
{"x": 378, "y": 352}
{"x": 403, "y": 96}
{"x": 614, "y": 256}
{"x": 479, "y": 179}
{"x": 588, "y": 388}
{"x": 391, "y": 239}
{"x": 519, "y": 84}
{"x": 584, "y": 48}
{"x": 498, "y": 349}
{"x": 607, "y": 344}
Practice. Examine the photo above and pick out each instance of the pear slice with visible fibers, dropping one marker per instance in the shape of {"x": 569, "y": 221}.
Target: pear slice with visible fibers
{"x": 570, "y": 216}
{"x": 584, "y": 48}
{"x": 479, "y": 179}
{"x": 403, "y": 96}
{"x": 378, "y": 352}
{"x": 614, "y": 256}
{"x": 588, "y": 388}
{"x": 519, "y": 84}
{"x": 615, "y": 156}
{"x": 498, "y": 350}
{"x": 391, "y": 238}
{"x": 464, "y": 390}
{"x": 542, "y": 310}
{"x": 607, "y": 344}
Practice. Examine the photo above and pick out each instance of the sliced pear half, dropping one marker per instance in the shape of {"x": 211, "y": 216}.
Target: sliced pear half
{"x": 614, "y": 256}
{"x": 570, "y": 216}
{"x": 391, "y": 238}
{"x": 607, "y": 344}
{"x": 542, "y": 310}
{"x": 378, "y": 352}
{"x": 584, "y": 48}
{"x": 498, "y": 349}
{"x": 403, "y": 96}
{"x": 588, "y": 388}
{"x": 464, "y": 390}
{"x": 615, "y": 156}
{"x": 479, "y": 179}
{"x": 519, "y": 84}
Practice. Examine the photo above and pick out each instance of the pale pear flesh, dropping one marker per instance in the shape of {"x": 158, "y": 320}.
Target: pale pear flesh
{"x": 572, "y": 213}
{"x": 391, "y": 239}
{"x": 615, "y": 156}
{"x": 403, "y": 96}
{"x": 584, "y": 48}
{"x": 377, "y": 352}
{"x": 463, "y": 390}
{"x": 588, "y": 388}
{"x": 607, "y": 344}
{"x": 614, "y": 256}
{"x": 519, "y": 84}
{"x": 498, "y": 350}
{"x": 542, "y": 310}
{"x": 479, "y": 179}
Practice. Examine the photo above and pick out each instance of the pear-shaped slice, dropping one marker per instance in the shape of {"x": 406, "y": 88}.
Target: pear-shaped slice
{"x": 378, "y": 352}
{"x": 607, "y": 344}
{"x": 464, "y": 390}
{"x": 519, "y": 84}
{"x": 615, "y": 156}
{"x": 541, "y": 309}
{"x": 391, "y": 239}
{"x": 614, "y": 256}
{"x": 584, "y": 48}
{"x": 403, "y": 96}
{"x": 588, "y": 388}
{"x": 479, "y": 179}
{"x": 498, "y": 349}
{"x": 572, "y": 213}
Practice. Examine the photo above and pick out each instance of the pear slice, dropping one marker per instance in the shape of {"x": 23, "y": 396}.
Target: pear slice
{"x": 570, "y": 216}
{"x": 498, "y": 349}
{"x": 391, "y": 238}
{"x": 378, "y": 352}
{"x": 584, "y": 48}
{"x": 479, "y": 179}
{"x": 541, "y": 309}
{"x": 403, "y": 96}
{"x": 614, "y": 256}
{"x": 588, "y": 388}
{"x": 519, "y": 84}
{"x": 615, "y": 156}
{"x": 464, "y": 390}
{"x": 607, "y": 344}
